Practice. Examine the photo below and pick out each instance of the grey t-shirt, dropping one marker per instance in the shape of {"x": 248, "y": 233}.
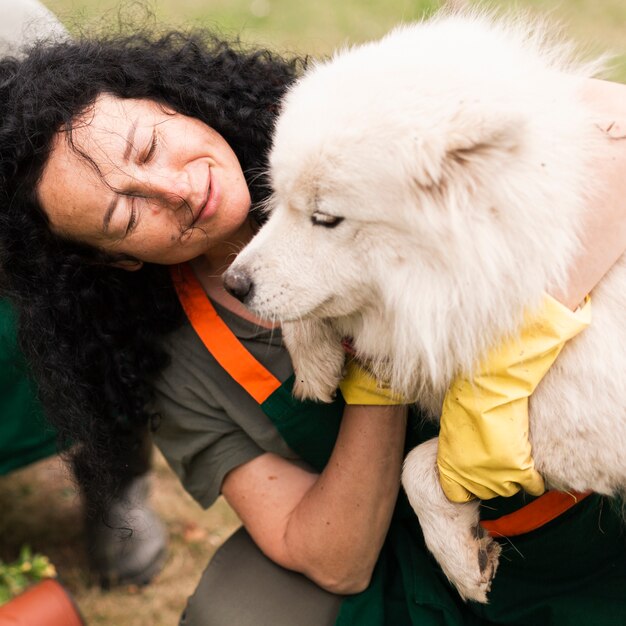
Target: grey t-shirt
{"x": 209, "y": 425}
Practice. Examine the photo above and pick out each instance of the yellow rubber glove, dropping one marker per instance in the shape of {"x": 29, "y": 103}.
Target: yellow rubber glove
{"x": 360, "y": 387}
{"x": 484, "y": 449}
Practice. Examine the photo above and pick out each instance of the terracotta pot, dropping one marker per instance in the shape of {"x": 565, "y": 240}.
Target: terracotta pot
{"x": 47, "y": 603}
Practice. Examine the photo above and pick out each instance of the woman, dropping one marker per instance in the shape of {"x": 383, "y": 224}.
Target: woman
{"x": 126, "y": 155}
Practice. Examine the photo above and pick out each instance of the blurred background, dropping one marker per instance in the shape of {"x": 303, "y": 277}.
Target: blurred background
{"x": 319, "y": 26}
{"x": 39, "y": 505}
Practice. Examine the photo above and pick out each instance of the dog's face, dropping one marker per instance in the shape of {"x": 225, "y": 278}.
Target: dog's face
{"x": 424, "y": 162}
{"x": 333, "y": 235}
{"x": 363, "y": 199}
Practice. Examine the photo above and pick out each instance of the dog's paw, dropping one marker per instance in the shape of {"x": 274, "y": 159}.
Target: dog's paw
{"x": 317, "y": 356}
{"x": 468, "y": 556}
{"x": 488, "y": 556}
{"x": 472, "y": 574}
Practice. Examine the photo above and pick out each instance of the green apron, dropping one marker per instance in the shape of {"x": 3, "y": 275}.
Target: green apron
{"x": 25, "y": 436}
{"x": 569, "y": 572}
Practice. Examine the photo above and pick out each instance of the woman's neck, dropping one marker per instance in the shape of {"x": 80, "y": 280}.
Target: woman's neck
{"x": 220, "y": 256}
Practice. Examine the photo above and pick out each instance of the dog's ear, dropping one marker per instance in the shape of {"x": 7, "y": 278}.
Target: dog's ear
{"x": 464, "y": 142}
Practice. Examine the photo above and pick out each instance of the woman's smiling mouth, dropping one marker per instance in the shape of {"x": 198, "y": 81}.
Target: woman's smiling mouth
{"x": 209, "y": 205}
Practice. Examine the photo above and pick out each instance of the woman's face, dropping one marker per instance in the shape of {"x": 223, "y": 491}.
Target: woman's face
{"x": 144, "y": 181}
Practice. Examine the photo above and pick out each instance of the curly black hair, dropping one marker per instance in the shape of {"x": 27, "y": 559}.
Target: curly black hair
{"x": 90, "y": 331}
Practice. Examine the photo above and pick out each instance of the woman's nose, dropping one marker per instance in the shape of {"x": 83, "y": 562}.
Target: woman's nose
{"x": 172, "y": 188}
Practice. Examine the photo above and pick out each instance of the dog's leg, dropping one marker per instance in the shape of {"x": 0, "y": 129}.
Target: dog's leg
{"x": 467, "y": 555}
{"x": 317, "y": 356}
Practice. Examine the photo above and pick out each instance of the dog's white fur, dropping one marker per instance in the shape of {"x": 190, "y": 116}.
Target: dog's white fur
{"x": 456, "y": 151}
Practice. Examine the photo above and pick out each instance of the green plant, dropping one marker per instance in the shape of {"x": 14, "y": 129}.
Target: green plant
{"x": 29, "y": 568}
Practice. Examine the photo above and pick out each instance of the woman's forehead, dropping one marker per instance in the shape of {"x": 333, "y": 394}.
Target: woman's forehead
{"x": 109, "y": 119}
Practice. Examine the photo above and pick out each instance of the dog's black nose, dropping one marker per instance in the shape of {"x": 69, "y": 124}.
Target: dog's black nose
{"x": 238, "y": 284}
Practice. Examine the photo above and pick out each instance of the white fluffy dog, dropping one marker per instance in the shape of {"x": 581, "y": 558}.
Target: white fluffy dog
{"x": 429, "y": 188}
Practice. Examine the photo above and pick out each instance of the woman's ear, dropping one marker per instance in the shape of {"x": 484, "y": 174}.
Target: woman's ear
{"x": 130, "y": 265}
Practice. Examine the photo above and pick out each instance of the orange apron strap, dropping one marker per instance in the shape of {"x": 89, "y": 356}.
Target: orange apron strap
{"x": 534, "y": 515}
{"x": 218, "y": 339}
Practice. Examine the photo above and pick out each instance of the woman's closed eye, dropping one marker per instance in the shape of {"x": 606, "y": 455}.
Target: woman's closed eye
{"x": 151, "y": 148}
{"x": 132, "y": 221}
{"x": 147, "y": 156}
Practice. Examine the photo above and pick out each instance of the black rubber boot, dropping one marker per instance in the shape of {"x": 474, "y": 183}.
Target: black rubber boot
{"x": 127, "y": 542}
{"x": 127, "y": 546}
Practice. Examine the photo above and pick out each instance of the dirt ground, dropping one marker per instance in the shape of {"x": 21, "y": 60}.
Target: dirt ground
{"x": 39, "y": 506}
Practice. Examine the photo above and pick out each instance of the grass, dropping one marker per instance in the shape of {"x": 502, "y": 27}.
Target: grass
{"x": 319, "y": 26}
{"x": 39, "y": 504}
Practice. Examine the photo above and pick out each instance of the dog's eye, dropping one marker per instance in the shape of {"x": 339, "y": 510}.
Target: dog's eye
{"x": 326, "y": 220}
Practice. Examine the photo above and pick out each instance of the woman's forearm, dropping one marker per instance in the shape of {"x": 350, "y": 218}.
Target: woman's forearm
{"x": 329, "y": 526}
{"x": 338, "y": 528}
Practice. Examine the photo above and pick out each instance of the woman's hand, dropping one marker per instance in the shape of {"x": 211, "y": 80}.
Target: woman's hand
{"x": 330, "y": 526}
{"x": 484, "y": 449}
{"x": 359, "y": 386}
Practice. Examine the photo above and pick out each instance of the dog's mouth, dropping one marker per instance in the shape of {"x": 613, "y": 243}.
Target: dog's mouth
{"x": 265, "y": 309}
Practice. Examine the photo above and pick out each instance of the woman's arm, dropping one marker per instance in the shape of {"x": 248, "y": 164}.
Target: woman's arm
{"x": 604, "y": 231}
{"x": 483, "y": 444}
{"x": 330, "y": 526}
